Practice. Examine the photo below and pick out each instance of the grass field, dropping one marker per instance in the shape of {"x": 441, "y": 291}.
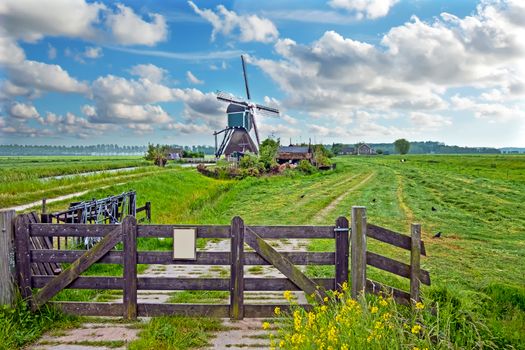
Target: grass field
{"x": 479, "y": 206}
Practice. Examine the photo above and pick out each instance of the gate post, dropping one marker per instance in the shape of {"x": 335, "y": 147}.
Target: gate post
{"x": 23, "y": 257}
{"x": 129, "y": 240}
{"x": 7, "y": 258}
{"x": 341, "y": 252}
{"x": 415, "y": 257}
{"x": 237, "y": 269}
{"x": 358, "y": 251}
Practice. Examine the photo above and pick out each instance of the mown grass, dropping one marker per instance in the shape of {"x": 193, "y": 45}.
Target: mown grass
{"x": 479, "y": 202}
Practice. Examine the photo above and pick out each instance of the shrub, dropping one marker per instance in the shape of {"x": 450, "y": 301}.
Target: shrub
{"x": 372, "y": 322}
{"x": 306, "y": 167}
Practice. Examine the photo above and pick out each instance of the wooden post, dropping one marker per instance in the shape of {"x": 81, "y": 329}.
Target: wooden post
{"x": 7, "y": 258}
{"x": 358, "y": 251}
{"x": 148, "y": 211}
{"x": 341, "y": 251}
{"x": 44, "y": 200}
{"x": 129, "y": 239}
{"x": 23, "y": 258}
{"x": 415, "y": 265}
{"x": 237, "y": 269}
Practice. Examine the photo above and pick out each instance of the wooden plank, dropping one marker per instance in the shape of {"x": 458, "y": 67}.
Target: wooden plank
{"x": 201, "y": 310}
{"x": 395, "y": 267}
{"x": 393, "y": 238}
{"x": 112, "y": 283}
{"x": 342, "y": 248}
{"x": 399, "y": 296}
{"x": 7, "y": 258}
{"x": 76, "y": 268}
{"x": 358, "y": 249}
{"x": 415, "y": 267}
{"x": 166, "y": 258}
{"x": 129, "y": 240}
{"x": 166, "y": 231}
{"x": 23, "y": 259}
{"x": 172, "y": 283}
{"x": 269, "y": 232}
{"x": 88, "y": 308}
{"x": 283, "y": 265}
{"x": 71, "y": 230}
{"x": 267, "y": 310}
{"x": 237, "y": 269}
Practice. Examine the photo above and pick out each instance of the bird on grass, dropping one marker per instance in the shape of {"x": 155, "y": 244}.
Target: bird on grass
{"x": 302, "y": 196}
{"x": 434, "y": 209}
{"x": 437, "y": 235}
{"x": 373, "y": 200}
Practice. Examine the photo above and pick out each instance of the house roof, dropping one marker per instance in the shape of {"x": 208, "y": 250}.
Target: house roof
{"x": 293, "y": 149}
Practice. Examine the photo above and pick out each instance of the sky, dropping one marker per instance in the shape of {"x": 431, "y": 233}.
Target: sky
{"x": 77, "y": 72}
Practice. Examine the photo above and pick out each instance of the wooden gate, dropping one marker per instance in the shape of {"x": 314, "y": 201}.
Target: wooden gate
{"x": 239, "y": 234}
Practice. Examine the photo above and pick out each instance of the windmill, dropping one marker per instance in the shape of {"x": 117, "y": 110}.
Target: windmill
{"x": 241, "y": 121}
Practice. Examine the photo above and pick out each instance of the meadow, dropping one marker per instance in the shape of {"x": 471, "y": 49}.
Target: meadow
{"x": 476, "y": 202}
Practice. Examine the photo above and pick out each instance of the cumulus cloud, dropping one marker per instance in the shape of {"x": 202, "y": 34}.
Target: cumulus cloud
{"x": 425, "y": 121}
{"x": 492, "y": 112}
{"x": 247, "y": 27}
{"x": 411, "y": 70}
{"x": 149, "y": 71}
{"x": 93, "y": 52}
{"x": 192, "y": 79}
{"x": 365, "y": 8}
{"x": 189, "y": 128}
{"x": 23, "y": 111}
{"x": 30, "y": 21}
{"x": 130, "y": 29}
{"x": 51, "y": 52}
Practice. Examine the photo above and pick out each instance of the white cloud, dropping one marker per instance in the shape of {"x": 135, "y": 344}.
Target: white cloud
{"x": 10, "y": 52}
{"x": 248, "y": 27}
{"x": 130, "y": 29}
{"x": 29, "y": 20}
{"x": 93, "y": 52}
{"x": 492, "y": 112}
{"x": 23, "y": 111}
{"x": 425, "y": 121}
{"x": 51, "y": 52}
{"x": 192, "y": 79}
{"x": 140, "y": 129}
{"x": 189, "y": 128}
{"x": 149, "y": 71}
{"x": 365, "y": 8}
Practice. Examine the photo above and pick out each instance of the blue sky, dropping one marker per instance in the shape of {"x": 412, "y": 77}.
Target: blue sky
{"x": 133, "y": 72}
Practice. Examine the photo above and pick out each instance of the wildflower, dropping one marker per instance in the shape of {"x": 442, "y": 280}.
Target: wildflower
{"x": 344, "y": 287}
{"x": 324, "y": 308}
{"x": 386, "y": 316}
{"x": 288, "y": 295}
{"x": 374, "y": 309}
{"x": 281, "y": 344}
{"x": 332, "y": 334}
{"x": 416, "y": 329}
{"x": 415, "y": 348}
{"x": 266, "y": 325}
{"x": 325, "y": 299}
{"x": 277, "y": 310}
{"x": 383, "y": 302}
{"x": 369, "y": 338}
{"x": 420, "y": 305}
{"x": 344, "y": 346}
{"x": 378, "y": 325}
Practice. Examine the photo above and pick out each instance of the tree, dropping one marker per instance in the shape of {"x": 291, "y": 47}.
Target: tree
{"x": 158, "y": 154}
{"x": 268, "y": 153}
{"x": 402, "y": 146}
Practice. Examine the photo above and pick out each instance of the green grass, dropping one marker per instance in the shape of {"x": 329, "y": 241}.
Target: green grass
{"x": 480, "y": 202}
{"x": 176, "y": 333}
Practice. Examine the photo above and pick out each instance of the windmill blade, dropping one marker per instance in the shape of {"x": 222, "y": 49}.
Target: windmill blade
{"x": 223, "y": 96}
{"x": 256, "y": 131}
{"x": 245, "y": 77}
{"x": 267, "y": 109}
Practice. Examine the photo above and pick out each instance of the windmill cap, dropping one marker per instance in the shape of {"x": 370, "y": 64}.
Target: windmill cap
{"x": 232, "y": 108}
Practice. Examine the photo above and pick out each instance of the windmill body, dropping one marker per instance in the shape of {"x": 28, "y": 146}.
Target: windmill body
{"x": 241, "y": 121}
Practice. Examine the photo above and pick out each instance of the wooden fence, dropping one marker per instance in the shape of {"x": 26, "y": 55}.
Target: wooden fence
{"x": 346, "y": 262}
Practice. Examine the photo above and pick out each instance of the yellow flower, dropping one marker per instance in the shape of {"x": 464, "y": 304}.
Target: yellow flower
{"x": 374, "y": 309}
{"x": 383, "y": 302}
{"x": 288, "y": 295}
{"x": 325, "y": 299}
{"x": 277, "y": 310}
{"x": 420, "y": 306}
{"x": 369, "y": 338}
{"x": 378, "y": 325}
{"x": 324, "y": 308}
{"x": 386, "y": 316}
{"x": 281, "y": 344}
{"x": 266, "y": 325}
{"x": 344, "y": 287}
{"x": 416, "y": 329}
{"x": 415, "y": 348}
{"x": 344, "y": 346}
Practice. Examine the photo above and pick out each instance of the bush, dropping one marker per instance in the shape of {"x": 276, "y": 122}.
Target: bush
{"x": 341, "y": 322}
{"x": 306, "y": 167}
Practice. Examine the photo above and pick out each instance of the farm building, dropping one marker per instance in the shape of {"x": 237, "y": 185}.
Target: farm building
{"x": 294, "y": 154}
{"x": 346, "y": 150}
{"x": 175, "y": 153}
{"x": 364, "y": 149}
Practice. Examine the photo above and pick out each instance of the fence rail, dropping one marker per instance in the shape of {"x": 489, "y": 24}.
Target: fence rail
{"x": 350, "y": 257}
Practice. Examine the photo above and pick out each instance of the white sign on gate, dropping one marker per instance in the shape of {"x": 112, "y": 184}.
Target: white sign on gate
{"x": 184, "y": 243}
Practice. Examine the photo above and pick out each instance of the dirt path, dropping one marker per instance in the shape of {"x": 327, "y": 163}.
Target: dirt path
{"x": 323, "y": 213}
{"x": 409, "y": 215}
